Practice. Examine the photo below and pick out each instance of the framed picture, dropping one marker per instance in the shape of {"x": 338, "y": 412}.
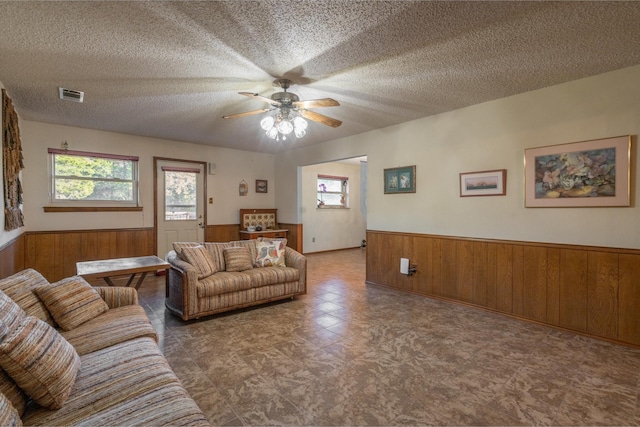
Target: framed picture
{"x": 483, "y": 183}
{"x": 400, "y": 180}
{"x": 578, "y": 174}
{"x": 261, "y": 186}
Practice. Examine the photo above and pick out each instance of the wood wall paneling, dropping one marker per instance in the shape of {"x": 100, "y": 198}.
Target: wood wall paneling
{"x": 534, "y": 301}
{"x": 294, "y": 236}
{"x": 222, "y": 233}
{"x": 55, "y": 253}
{"x": 504, "y": 278}
{"x": 464, "y": 270}
{"x": 602, "y": 294}
{"x": 448, "y": 264}
{"x": 629, "y": 298}
{"x": 553, "y": 286}
{"x": 573, "y": 289}
{"x": 595, "y": 291}
{"x": 12, "y": 257}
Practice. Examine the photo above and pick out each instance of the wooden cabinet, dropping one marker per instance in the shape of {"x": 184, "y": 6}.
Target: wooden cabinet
{"x": 248, "y": 235}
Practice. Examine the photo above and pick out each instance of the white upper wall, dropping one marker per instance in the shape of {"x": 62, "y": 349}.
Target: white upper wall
{"x": 232, "y": 166}
{"x": 330, "y": 229}
{"x": 488, "y": 136}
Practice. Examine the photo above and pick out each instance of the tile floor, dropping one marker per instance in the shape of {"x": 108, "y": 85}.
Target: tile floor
{"x": 348, "y": 353}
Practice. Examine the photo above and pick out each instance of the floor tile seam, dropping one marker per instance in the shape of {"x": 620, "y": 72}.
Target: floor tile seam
{"x": 572, "y": 390}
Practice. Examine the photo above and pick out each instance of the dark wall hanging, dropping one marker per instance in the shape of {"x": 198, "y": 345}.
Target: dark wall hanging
{"x": 12, "y": 164}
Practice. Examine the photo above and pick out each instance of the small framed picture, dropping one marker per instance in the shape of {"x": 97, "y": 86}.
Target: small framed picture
{"x": 400, "y": 180}
{"x": 261, "y": 186}
{"x": 483, "y": 183}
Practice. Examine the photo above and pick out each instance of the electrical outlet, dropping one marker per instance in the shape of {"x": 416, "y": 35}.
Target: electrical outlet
{"x": 313, "y": 239}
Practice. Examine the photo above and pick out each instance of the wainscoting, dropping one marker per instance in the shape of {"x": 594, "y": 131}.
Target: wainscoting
{"x": 55, "y": 253}
{"x": 591, "y": 290}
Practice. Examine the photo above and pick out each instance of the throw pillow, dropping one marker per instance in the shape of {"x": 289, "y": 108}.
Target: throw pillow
{"x": 270, "y": 254}
{"x": 200, "y": 258}
{"x": 21, "y": 287}
{"x": 10, "y": 314}
{"x": 40, "y": 361}
{"x": 8, "y": 414}
{"x": 179, "y": 246}
{"x": 72, "y": 301}
{"x": 238, "y": 258}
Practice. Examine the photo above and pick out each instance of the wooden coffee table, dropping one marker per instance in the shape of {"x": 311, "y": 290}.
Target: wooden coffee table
{"x": 108, "y": 268}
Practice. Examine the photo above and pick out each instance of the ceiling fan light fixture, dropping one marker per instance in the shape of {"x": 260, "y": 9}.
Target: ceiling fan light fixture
{"x": 300, "y": 132}
{"x": 272, "y": 133}
{"x": 267, "y": 122}
{"x": 285, "y": 126}
{"x": 300, "y": 123}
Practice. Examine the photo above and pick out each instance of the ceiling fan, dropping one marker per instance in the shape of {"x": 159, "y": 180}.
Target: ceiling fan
{"x": 291, "y": 112}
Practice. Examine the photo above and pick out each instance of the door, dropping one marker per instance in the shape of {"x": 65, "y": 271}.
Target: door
{"x": 180, "y": 209}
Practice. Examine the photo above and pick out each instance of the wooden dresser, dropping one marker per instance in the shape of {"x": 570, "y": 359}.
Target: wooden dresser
{"x": 265, "y": 218}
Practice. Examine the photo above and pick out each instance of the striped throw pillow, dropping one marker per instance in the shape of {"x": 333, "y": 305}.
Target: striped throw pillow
{"x": 40, "y": 361}
{"x": 238, "y": 258}
{"x": 72, "y": 301}
{"x": 200, "y": 258}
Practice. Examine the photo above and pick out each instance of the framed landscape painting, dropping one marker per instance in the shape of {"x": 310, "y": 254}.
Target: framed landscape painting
{"x": 579, "y": 174}
{"x": 483, "y": 183}
{"x": 400, "y": 180}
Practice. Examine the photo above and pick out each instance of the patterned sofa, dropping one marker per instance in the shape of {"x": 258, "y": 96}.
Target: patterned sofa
{"x": 72, "y": 354}
{"x": 208, "y": 278}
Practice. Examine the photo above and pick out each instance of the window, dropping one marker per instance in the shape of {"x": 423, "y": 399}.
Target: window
{"x": 93, "y": 177}
{"x": 180, "y": 186}
{"x": 333, "y": 191}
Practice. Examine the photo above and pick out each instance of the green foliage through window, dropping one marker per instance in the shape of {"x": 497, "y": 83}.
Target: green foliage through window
{"x": 84, "y": 177}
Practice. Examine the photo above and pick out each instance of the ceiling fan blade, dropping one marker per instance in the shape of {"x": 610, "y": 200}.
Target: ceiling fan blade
{"x": 260, "y": 97}
{"x": 248, "y": 113}
{"x": 317, "y": 103}
{"x": 311, "y": 115}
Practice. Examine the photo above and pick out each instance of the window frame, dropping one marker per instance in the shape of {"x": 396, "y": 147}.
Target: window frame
{"x": 344, "y": 192}
{"x": 62, "y": 204}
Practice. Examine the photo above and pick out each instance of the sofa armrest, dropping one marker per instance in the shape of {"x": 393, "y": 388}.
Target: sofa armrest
{"x": 182, "y": 283}
{"x": 118, "y": 296}
{"x": 295, "y": 259}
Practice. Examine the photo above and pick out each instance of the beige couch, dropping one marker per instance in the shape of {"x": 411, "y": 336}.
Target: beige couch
{"x": 90, "y": 358}
{"x": 209, "y": 278}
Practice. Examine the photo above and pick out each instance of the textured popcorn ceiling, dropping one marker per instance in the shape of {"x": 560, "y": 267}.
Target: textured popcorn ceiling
{"x": 173, "y": 69}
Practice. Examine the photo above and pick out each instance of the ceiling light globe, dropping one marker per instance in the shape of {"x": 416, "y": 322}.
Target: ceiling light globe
{"x": 300, "y": 123}
{"x": 272, "y": 133}
{"x": 300, "y": 132}
{"x": 267, "y": 122}
{"x": 285, "y": 127}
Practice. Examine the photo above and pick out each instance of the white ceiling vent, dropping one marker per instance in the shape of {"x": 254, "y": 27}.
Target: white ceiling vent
{"x": 71, "y": 95}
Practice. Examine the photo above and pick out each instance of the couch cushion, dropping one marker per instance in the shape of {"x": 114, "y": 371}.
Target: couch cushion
{"x": 126, "y": 384}
{"x": 238, "y": 258}
{"x": 8, "y": 414}
{"x": 270, "y": 254}
{"x": 223, "y": 282}
{"x": 72, "y": 301}
{"x": 40, "y": 361}
{"x": 112, "y": 327}
{"x": 200, "y": 258}
{"x": 20, "y": 288}
{"x": 272, "y": 275}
